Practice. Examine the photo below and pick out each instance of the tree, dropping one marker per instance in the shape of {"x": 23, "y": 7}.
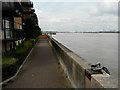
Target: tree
{"x": 29, "y": 28}
{"x": 37, "y": 31}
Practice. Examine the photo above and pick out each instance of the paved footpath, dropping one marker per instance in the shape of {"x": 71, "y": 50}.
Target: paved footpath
{"x": 40, "y": 71}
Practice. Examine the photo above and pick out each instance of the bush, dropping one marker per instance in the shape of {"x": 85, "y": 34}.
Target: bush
{"x": 34, "y": 40}
{"x": 9, "y": 62}
{"x": 27, "y": 44}
{"x": 22, "y": 51}
{"x": 9, "y": 67}
{"x": 6, "y": 62}
{"x": 9, "y": 54}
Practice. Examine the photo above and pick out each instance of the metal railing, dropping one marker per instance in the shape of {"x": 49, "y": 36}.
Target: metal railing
{"x": 7, "y": 6}
{"x": 13, "y": 36}
{"x": 12, "y": 7}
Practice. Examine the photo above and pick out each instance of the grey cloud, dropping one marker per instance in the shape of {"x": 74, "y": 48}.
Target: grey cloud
{"x": 83, "y": 17}
{"x": 109, "y": 8}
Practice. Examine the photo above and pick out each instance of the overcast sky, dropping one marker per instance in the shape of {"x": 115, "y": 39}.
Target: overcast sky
{"x": 77, "y": 16}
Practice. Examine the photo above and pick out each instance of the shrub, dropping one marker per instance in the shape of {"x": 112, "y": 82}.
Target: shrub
{"x": 22, "y": 51}
{"x": 9, "y": 62}
{"x": 27, "y": 44}
{"x": 9, "y": 67}
{"x": 6, "y": 62}
{"x": 9, "y": 53}
{"x": 34, "y": 40}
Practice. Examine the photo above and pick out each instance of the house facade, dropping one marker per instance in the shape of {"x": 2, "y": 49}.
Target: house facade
{"x": 12, "y": 13}
{"x": 13, "y": 16}
{"x": 29, "y": 11}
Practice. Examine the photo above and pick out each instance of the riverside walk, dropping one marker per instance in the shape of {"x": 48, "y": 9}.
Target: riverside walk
{"x": 40, "y": 70}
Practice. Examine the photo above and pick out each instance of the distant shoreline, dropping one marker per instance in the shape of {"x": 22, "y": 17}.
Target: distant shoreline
{"x": 88, "y": 32}
{"x": 54, "y": 32}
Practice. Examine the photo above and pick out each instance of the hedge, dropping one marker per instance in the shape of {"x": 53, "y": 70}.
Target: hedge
{"x": 11, "y": 60}
{"x": 9, "y": 67}
{"x": 8, "y": 61}
{"x": 22, "y": 51}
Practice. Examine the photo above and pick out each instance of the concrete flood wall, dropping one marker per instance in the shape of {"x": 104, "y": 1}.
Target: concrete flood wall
{"x": 75, "y": 68}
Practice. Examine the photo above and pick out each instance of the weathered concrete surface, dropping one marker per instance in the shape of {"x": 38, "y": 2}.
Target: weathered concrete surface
{"x": 75, "y": 66}
{"x": 40, "y": 71}
{"x": 102, "y": 81}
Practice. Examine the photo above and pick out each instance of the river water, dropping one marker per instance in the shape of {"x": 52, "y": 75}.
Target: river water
{"x": 94, "y": 47}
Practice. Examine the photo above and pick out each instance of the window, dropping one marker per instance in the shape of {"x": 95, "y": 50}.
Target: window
{"x": 18, "y": 26}
{"x": 7, "y": 33}
{"x": 3, "y": 23}
{"x": 7, "y": 24}
{"x": 7, "y": 28}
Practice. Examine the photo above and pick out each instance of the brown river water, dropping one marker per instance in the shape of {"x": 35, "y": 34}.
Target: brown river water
{"x": 94, "y": 47}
